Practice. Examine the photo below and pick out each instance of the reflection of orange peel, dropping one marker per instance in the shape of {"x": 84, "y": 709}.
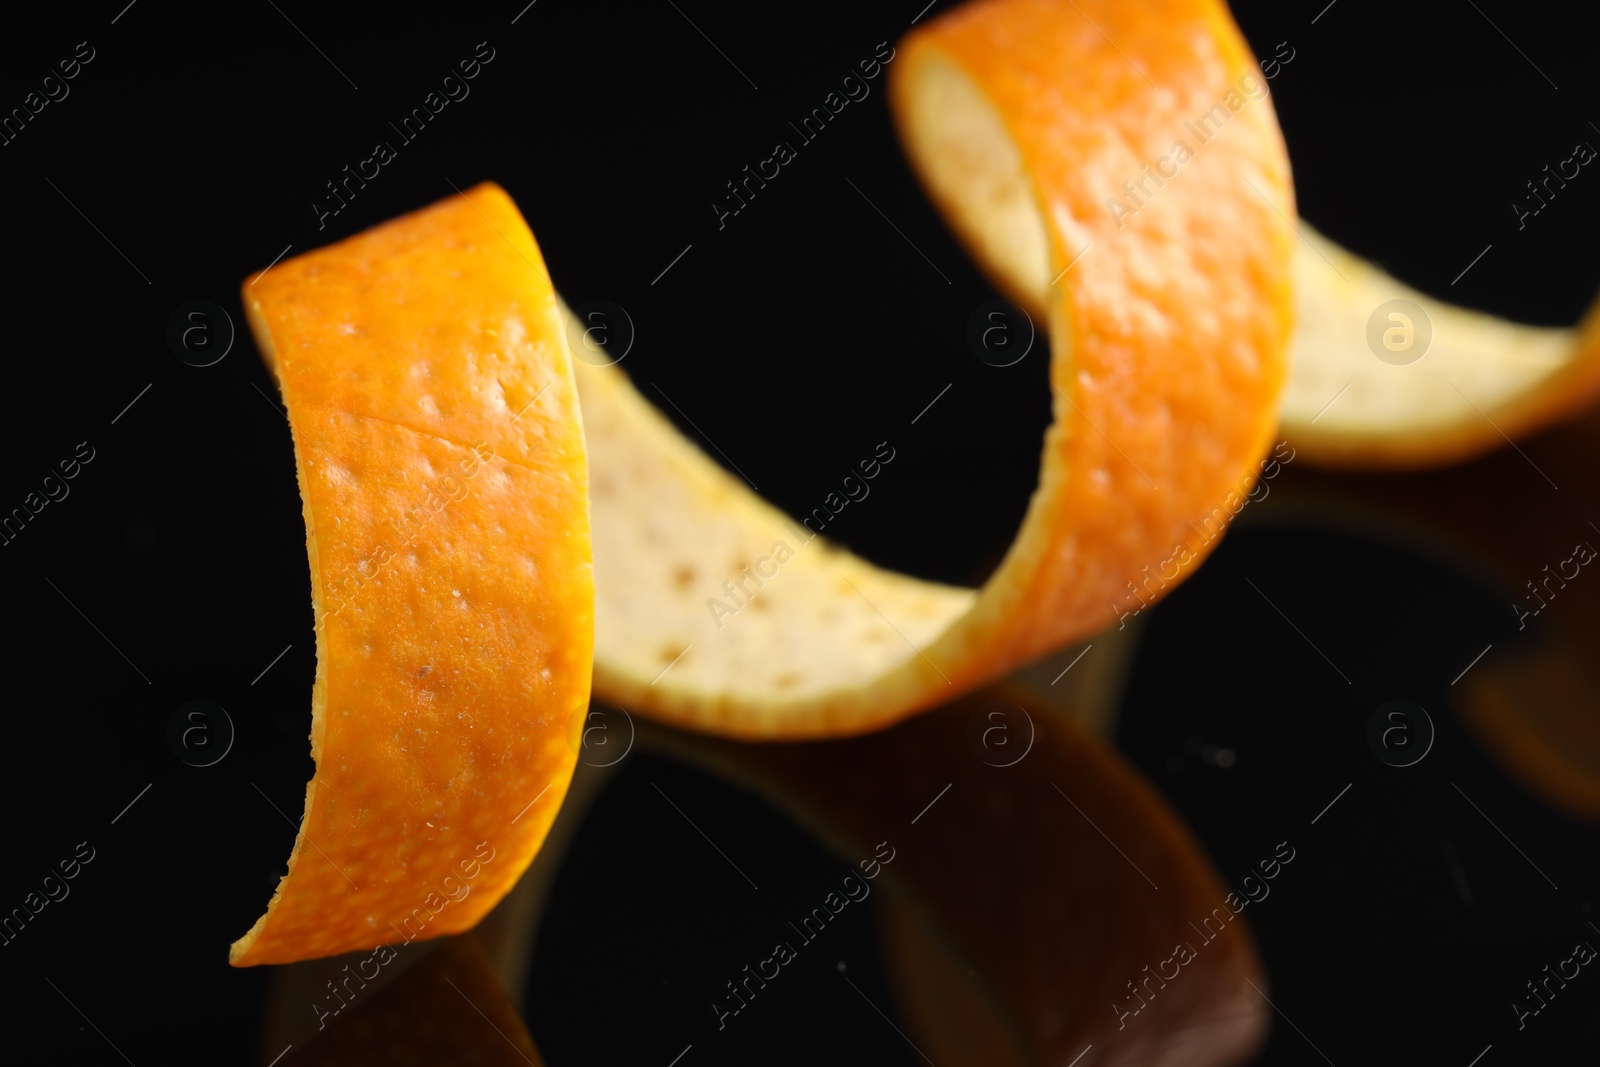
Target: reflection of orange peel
{"x": 1531, "y": 696}
{"x": 449, "y": 1008}
{"x": 1534, "y": 711}
{"x": 1014, "y": 931}
{"x": 1170, "y": 342}
{"x": 449, "y": 679}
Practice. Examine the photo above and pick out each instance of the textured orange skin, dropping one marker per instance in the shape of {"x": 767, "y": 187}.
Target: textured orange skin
{"x": 1170, "y": 335}
{"x": 449, "y": 669}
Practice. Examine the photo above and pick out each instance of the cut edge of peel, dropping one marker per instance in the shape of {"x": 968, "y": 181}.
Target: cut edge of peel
{"x": 239, "y": 951}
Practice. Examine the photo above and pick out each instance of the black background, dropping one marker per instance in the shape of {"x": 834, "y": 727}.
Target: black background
{"x": 796, "y": 337}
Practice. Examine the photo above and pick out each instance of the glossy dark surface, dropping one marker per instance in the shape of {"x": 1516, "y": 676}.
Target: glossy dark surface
{"x": 187, "y": 153}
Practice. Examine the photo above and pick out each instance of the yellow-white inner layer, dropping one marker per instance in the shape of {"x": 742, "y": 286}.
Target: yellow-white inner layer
{"x": 1475, "y": 366}
{"x": 671, "y": 527}
{"x": 975, "y": 172}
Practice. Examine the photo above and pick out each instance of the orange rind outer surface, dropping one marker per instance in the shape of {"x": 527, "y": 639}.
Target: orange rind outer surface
{"x": 441, "y": 461}
{"x": 1170, "y": 330}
